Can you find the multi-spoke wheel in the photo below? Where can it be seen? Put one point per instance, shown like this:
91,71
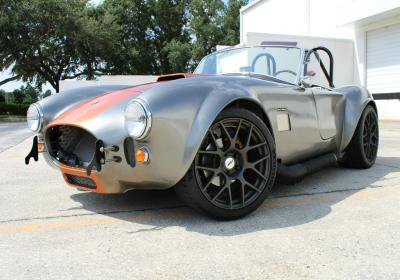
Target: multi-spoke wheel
363,148
234,168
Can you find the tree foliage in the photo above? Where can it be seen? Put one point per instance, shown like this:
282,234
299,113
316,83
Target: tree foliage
170,37
52,40
206,25
131,52
231,22
27,94
24,95
2,96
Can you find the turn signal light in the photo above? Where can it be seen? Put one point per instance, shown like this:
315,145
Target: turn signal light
40,147
142,155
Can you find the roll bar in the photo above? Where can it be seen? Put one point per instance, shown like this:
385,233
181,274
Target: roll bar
328,75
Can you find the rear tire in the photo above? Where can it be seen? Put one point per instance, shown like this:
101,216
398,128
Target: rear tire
234,169
363,148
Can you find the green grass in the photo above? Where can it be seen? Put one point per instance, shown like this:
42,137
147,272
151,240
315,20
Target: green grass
12,118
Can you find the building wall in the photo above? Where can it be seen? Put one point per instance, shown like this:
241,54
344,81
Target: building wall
325,19
360,30
321,18
345,19
259,18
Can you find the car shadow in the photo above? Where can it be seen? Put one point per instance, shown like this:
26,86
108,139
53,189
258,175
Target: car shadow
287,206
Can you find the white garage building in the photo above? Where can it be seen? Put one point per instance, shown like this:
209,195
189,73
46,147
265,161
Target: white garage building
363,35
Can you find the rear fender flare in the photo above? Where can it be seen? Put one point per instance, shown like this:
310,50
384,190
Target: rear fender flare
357,98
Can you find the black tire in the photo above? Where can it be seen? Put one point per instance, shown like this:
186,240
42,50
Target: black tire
232,166
363,148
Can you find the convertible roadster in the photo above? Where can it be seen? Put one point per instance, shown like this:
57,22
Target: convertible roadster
219,136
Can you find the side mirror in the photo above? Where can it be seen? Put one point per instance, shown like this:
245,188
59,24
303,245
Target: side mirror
306,81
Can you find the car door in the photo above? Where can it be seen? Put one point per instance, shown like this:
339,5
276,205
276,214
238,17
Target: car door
292,113
326,100
327,104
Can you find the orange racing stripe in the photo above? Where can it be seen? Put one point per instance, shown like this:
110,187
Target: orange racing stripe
94,106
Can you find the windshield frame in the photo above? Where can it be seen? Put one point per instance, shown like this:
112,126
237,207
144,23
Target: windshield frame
299,67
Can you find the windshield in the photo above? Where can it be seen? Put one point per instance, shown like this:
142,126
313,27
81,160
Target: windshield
276,61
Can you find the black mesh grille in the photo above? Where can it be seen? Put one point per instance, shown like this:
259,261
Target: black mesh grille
69,137
81,181
71,145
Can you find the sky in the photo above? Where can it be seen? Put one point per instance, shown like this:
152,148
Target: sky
96,2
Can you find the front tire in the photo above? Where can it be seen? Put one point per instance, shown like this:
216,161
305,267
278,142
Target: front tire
235,168
363,148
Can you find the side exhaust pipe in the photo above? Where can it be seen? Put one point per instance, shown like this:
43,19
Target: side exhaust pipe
292,174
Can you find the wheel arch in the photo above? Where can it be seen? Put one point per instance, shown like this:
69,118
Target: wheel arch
181,119
357,99
373,104
254,107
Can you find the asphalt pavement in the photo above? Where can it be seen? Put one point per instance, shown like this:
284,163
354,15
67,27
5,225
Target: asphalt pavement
13,133
337,224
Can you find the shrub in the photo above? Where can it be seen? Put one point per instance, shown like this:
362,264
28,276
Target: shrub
13,109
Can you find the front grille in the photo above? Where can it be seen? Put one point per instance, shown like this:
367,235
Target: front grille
72,146
81,181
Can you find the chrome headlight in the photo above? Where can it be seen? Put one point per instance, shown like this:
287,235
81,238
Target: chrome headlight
34,117
138,119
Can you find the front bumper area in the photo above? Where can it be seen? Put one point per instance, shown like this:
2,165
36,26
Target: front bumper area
81,157
72,149
77,177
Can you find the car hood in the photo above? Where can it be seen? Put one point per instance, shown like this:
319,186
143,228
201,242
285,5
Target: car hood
92,107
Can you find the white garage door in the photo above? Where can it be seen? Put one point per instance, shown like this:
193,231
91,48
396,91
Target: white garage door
383,59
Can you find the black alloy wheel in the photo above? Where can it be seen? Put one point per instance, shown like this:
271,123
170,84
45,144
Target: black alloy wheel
370,136
363,148
234,169
233,164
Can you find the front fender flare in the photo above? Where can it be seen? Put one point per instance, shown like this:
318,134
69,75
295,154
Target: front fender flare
182,112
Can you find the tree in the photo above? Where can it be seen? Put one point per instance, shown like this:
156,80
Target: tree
31,94
231,22
45,94
51,40
132,51
179,56
25,95
170,36
206,25
2,96
18,96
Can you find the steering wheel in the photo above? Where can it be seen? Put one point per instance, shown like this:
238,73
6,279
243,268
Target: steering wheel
285,71
270,60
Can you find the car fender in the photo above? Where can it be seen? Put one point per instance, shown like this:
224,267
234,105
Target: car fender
182,113
357,98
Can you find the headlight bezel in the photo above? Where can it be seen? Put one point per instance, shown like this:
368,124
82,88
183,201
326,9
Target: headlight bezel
147,114
39,113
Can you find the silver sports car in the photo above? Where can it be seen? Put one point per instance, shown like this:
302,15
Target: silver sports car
219,136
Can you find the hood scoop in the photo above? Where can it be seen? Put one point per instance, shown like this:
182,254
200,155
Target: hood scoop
172,77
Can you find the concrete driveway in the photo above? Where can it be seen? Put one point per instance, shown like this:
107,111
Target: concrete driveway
12,133
337,224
